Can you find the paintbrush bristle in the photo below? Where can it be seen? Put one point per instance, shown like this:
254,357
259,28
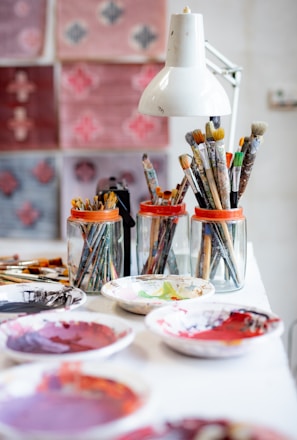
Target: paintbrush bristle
189,138
198,136
219,134
209,129
259,128
185,161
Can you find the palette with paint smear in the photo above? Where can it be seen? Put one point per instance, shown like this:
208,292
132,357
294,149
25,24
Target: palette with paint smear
71,401
213,329
22,298
63,336
143,293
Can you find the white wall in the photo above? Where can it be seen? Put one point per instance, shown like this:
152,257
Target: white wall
260,36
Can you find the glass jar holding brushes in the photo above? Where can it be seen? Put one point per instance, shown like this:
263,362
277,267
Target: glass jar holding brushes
218,233
162,228
218,227
95,244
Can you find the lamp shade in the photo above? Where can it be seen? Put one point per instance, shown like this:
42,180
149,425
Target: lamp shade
185,86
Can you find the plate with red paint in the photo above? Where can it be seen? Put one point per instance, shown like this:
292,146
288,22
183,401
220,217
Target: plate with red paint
143,293
213,329
64,336
71,400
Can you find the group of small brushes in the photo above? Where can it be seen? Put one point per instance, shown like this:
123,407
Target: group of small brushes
219,178
14,270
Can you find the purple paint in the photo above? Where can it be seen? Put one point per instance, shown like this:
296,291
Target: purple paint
62,337
57,412
69,402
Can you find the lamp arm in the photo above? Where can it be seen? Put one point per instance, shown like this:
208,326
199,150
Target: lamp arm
231,73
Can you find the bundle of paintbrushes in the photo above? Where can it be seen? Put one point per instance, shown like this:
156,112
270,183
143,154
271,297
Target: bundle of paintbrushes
14,270
218,180
94,233
163,225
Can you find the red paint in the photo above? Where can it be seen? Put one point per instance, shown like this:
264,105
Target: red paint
238,325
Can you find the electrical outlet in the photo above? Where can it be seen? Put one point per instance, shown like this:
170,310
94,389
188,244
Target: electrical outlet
283,98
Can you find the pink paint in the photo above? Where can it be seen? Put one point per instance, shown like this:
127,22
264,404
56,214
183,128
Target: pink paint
63,337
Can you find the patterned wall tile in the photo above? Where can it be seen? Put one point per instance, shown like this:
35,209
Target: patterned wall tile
99,107
29,196
107,30
22,28
28,118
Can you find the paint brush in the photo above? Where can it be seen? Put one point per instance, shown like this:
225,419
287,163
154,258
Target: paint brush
194,139
209,174
222,168
236,171
206,252
40,262
256,139
210,143
185,161
151,177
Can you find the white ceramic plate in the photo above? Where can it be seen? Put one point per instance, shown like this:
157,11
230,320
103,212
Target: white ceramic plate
204,429
22,298
71,401
213,329
143,293
50,336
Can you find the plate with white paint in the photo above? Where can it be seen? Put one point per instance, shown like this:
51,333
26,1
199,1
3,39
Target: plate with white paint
142,293
213,329
24,298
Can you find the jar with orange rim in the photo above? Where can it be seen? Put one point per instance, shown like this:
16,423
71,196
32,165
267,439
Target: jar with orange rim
95,248
162,242
218,247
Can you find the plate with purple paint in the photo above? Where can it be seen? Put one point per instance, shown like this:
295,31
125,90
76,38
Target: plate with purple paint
84,400
213,329
143,293
70,335
22,298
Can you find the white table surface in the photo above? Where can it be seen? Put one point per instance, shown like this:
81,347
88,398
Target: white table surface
257,387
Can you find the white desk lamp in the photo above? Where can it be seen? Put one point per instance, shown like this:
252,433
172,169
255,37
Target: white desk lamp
185,86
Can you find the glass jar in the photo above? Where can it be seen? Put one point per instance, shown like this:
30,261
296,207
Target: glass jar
95,248
162,239
218,247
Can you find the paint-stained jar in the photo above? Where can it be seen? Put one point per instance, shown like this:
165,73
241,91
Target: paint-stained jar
218,247
162,239
95,248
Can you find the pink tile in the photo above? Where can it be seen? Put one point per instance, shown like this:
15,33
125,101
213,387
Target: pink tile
98,107
92,29
22,28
